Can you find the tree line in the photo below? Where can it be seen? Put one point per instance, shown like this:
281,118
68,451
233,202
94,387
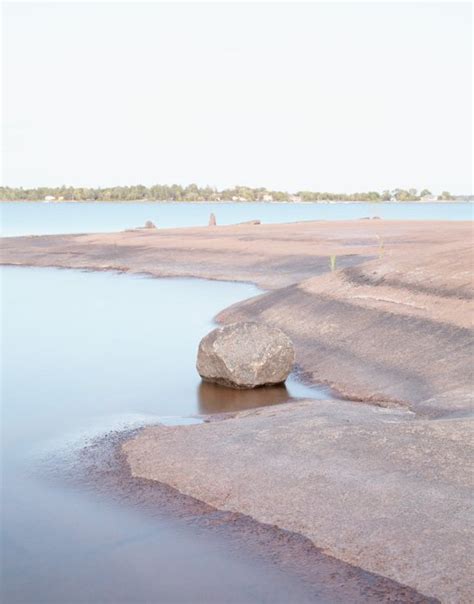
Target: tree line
194,193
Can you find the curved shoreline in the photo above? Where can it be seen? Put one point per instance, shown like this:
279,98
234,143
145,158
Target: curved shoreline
377,295
383,489
103,466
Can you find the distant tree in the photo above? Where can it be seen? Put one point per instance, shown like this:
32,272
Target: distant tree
403,195
446,196
306,195
373,196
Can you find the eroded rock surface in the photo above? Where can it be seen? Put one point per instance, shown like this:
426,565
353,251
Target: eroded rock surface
378,488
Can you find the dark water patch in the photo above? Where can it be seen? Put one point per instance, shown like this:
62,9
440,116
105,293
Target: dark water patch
214,398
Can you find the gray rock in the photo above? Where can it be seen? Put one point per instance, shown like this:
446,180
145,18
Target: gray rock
245,355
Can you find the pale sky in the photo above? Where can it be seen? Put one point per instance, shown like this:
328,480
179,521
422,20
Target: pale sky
324,96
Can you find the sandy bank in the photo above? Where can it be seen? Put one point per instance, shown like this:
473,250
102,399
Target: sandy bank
383,487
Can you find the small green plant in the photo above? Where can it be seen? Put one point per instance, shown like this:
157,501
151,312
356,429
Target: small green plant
381,246
332,262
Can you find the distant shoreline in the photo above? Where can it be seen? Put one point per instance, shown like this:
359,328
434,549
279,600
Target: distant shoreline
192,193
229,202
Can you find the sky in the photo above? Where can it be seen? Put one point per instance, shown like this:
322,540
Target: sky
314,96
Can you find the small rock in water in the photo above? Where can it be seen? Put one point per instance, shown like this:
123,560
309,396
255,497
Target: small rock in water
150,225
212,220
245,355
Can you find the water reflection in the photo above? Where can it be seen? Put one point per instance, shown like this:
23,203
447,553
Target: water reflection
213,398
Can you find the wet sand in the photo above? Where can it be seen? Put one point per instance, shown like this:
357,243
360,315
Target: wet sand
381,481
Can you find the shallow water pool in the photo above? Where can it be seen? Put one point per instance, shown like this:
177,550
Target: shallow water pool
84,354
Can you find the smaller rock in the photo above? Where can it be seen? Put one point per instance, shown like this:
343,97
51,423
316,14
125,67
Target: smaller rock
149,225
212,220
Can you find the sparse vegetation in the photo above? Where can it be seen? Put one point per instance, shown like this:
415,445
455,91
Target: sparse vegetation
381,245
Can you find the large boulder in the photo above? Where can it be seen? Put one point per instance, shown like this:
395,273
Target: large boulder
245,355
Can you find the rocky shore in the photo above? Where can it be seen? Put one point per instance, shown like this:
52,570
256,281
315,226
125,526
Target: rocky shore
379,311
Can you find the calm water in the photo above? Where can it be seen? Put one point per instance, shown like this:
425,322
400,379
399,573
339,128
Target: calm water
48,218
84,353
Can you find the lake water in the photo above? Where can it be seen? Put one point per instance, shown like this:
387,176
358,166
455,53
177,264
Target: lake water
49,218
84,353
84,349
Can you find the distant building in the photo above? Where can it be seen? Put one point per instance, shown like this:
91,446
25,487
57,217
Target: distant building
267,197
295,198
428,198
50,198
